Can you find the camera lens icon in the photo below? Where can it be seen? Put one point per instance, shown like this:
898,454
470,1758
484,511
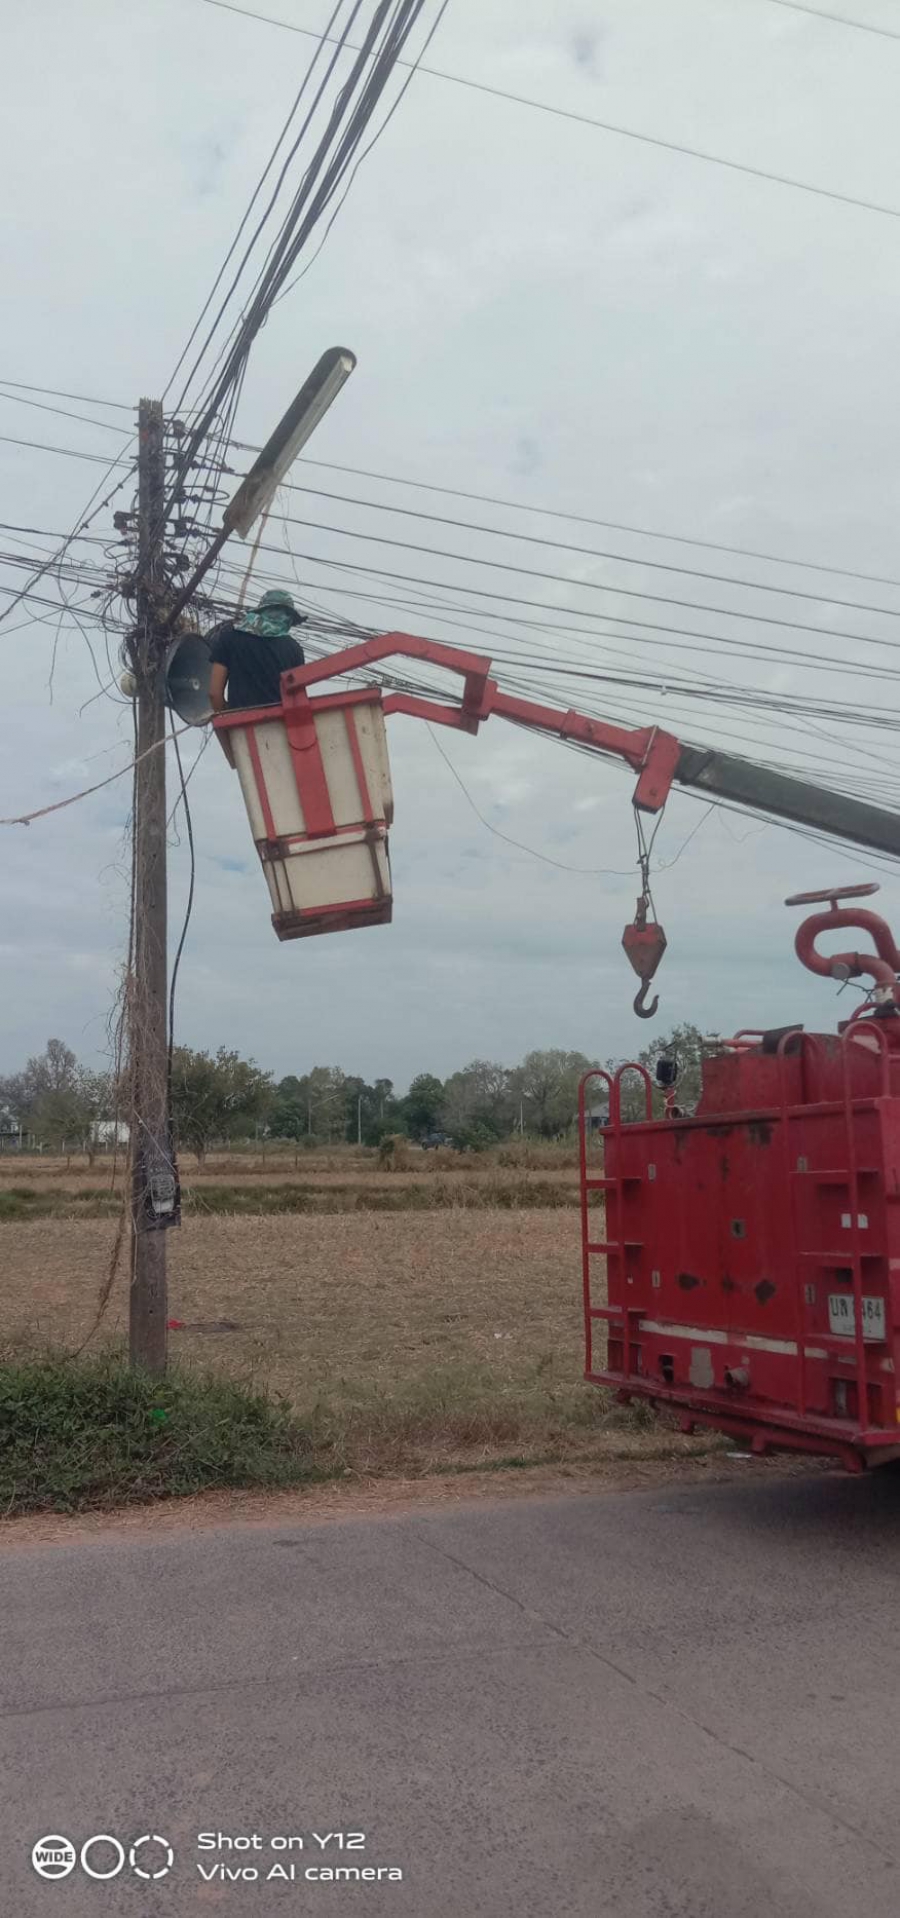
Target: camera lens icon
163,1860
53,1856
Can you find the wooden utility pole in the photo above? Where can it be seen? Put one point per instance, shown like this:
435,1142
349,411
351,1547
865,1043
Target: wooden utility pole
154,1195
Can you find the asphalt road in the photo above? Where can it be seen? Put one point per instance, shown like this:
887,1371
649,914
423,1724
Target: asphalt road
678,1703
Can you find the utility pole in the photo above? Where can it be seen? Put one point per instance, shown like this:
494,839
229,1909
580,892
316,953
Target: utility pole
155,1195
154,1190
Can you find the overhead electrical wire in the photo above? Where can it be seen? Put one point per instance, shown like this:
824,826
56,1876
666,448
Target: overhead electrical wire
70,452
106,426
795,713
247,212
414,66
598,586
612,707
836,19
581,519
510,505
707,643
189,904
606,126
738,647
674,680
58,393
589,552
385,36
593,872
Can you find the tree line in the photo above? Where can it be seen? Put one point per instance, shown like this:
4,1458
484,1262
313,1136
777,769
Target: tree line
220,1097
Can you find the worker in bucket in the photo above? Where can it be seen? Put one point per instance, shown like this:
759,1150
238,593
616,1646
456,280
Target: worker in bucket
250,653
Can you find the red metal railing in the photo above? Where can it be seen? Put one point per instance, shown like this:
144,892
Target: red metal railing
607,1247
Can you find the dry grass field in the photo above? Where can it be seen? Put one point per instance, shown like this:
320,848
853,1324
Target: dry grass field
411,1340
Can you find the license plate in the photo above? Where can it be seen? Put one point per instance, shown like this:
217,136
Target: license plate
842,1316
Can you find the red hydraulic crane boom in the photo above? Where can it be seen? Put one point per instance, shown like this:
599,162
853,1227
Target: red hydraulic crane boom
659,759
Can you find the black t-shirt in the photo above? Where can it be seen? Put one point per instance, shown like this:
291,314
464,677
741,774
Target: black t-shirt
254,663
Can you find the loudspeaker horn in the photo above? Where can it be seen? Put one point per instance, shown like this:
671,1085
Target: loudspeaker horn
188,671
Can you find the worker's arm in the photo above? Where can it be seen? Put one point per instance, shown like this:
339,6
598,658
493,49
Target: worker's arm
218,680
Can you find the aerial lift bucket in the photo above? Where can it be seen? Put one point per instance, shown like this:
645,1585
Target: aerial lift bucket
316,783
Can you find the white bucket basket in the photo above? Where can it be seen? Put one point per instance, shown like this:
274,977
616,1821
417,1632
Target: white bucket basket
317,787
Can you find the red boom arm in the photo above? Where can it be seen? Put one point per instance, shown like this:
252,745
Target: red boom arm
653,754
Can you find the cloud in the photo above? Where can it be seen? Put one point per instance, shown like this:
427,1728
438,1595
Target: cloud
584,44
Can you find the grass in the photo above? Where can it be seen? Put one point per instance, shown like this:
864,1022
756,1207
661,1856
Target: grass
87,1434
279,1158
20,1203
404,1341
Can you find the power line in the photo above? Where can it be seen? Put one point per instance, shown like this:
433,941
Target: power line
253,198
355,103
591,552
40,812
516,506
189,905
604,126
706,642
89,513
414,67
583,519
63,413
70,452
553,696
594,872
57,393
596,586
724,691
837,19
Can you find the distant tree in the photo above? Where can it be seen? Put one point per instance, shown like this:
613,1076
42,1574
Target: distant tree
478,1099
216,1098
326,1102
684,1043
547,1085
420,1109
313,1106
289,1116
369,1111
56,1098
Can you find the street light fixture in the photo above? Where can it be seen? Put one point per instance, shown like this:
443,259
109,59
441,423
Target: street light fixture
258,488
281,449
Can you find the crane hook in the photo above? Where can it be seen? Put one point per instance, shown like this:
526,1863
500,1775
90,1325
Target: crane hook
645,1012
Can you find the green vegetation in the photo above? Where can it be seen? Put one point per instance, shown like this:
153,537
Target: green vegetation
219,1098
20,1203
76,1435
87,1434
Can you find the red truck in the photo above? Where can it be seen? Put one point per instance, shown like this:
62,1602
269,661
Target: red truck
742,1263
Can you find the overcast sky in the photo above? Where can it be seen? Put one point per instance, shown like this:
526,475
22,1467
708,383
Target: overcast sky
543,312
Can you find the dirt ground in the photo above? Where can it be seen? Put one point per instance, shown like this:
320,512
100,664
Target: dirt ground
540,1165
342,1304
378,1497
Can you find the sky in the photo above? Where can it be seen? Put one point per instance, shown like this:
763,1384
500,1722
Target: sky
544,313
